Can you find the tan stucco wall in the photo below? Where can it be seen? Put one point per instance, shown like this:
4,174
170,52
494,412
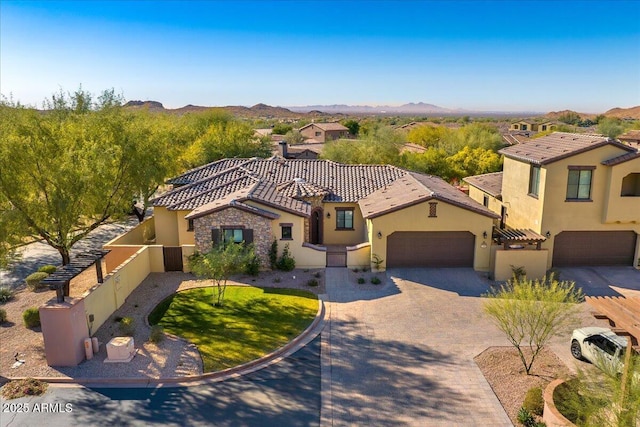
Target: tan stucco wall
534,262
416,218
185,237
523,211
618,208
166,223
332,236
359,255
138,235
476,194
64,329
308,256
117,255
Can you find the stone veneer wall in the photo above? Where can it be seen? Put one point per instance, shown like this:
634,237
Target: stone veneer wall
262,235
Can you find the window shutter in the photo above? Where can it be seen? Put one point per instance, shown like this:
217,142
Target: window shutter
215,237
247,235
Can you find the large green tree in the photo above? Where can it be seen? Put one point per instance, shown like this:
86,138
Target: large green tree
78,164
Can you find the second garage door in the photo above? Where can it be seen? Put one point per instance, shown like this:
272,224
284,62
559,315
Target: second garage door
576,248
430,249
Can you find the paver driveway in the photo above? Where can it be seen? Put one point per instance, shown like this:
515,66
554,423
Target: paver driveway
402,354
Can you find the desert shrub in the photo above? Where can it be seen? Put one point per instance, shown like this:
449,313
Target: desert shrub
34,280
312,282
286,262
273,254
3,315
533,401
6,294
525,418
361,280
252,267
24,387
375,280
31,317
157,334
127,326
49,269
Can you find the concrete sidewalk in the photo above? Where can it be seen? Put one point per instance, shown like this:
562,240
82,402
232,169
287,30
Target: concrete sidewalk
402,355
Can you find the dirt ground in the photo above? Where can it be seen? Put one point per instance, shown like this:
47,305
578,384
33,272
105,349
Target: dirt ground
506,375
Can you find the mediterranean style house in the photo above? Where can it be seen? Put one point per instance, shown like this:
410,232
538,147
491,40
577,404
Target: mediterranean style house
330,214
323,132
529,125
582,192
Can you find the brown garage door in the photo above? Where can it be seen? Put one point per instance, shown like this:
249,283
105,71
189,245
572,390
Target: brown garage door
594,248
430,249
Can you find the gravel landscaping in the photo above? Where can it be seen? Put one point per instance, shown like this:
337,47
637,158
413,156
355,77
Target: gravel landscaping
170,358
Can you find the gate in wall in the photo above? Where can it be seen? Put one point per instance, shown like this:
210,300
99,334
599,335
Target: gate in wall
172,258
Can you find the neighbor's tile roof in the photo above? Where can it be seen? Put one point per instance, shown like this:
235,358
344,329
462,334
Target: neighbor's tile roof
327,126
281,183
557,146
621,159
490,183
632,135
414,188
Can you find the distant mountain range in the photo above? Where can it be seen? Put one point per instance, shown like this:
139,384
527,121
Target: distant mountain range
410,109
406,109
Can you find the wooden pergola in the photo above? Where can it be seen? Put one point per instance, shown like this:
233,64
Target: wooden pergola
623,314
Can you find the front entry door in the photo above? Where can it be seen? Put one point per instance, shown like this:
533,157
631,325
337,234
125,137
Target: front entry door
316,226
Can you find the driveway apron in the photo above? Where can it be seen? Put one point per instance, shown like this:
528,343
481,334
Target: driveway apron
402,353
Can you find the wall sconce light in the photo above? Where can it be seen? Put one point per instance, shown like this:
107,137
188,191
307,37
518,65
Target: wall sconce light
328,214
548,234
484,235
379,235
484,245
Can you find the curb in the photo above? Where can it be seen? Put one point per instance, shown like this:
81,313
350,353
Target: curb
312,331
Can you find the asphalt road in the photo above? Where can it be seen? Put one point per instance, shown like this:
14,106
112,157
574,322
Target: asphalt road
284,394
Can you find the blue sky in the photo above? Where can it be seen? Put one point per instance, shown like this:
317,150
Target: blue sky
477,55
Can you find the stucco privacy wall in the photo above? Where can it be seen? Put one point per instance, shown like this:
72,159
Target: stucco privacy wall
64,329
359,255
117,255
166,226
141,234
416,218
236,218
533,261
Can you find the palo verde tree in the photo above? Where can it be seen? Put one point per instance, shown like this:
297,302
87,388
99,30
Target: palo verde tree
220,263
67,170
531,312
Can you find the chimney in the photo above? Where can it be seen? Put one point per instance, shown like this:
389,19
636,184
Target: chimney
283,149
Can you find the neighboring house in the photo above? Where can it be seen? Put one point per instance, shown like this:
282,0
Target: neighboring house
329,213
299,151
530,125
580,191
324,132
631,138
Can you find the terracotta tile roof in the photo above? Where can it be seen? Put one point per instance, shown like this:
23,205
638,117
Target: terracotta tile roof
490,183
234,200
327,126
299,188
631,136
557,146
206,171
621,159
280,183
414,188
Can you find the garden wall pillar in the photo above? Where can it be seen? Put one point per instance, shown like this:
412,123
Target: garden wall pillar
64,328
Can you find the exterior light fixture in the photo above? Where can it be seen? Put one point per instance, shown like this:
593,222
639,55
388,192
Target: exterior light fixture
379,235
484,245
328,214
484,234
548,234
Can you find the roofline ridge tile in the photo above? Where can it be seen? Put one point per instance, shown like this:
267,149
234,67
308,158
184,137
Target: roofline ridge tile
209,190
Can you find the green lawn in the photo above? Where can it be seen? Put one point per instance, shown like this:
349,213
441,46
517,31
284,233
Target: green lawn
252,322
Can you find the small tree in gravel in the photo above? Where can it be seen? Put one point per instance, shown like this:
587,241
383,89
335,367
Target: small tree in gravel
531,312
219,264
